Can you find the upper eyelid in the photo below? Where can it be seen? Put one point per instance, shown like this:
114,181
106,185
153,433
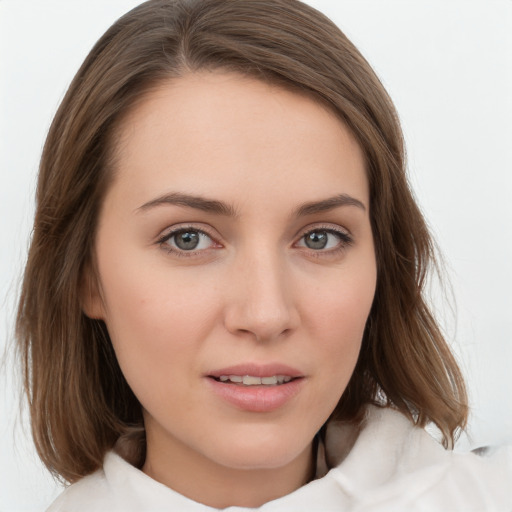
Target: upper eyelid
322,226
174,230
343,235
163,241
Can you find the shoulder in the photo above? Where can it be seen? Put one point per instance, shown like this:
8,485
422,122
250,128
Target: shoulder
89,493
98,491
119,487
396,463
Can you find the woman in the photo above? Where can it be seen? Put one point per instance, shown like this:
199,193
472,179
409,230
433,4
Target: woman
233,303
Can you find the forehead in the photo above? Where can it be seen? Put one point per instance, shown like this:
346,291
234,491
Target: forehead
236,136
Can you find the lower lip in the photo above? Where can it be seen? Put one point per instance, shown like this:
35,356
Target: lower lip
257,398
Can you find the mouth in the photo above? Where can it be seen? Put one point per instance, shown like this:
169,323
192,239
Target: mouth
253,380
257,388
256,374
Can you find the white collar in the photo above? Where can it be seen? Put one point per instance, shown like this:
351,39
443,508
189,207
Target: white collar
379,443
392,465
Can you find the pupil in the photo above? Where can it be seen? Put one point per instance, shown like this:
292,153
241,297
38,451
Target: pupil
187,241
316,240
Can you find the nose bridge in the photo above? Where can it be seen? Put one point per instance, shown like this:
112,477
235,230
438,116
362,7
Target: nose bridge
262,302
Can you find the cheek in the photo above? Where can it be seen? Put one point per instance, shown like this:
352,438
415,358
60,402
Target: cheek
155,319
339,312
138,289
335,328
340,307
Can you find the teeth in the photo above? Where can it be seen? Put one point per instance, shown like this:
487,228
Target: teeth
250,380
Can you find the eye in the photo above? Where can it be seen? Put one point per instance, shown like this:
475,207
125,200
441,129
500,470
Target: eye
186,240
325,240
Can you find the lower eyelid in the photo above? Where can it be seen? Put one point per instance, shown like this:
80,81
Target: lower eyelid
166,242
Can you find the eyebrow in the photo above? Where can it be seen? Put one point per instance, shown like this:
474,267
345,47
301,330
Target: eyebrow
191,201
328,204
221,208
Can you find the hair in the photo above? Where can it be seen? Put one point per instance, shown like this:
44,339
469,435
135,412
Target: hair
79,401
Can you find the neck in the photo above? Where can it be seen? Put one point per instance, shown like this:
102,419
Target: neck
203,480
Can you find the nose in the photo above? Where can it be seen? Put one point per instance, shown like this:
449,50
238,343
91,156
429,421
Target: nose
261,301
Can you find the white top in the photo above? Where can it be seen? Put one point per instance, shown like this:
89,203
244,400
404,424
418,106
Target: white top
392,466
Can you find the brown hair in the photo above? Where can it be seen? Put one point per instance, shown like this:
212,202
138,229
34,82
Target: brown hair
79,400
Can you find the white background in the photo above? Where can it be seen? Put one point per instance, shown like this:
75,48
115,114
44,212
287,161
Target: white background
447,65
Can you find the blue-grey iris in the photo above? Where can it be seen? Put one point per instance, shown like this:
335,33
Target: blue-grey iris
187,240
316,240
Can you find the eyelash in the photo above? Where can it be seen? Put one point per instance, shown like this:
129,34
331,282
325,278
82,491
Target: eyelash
162,241
345,241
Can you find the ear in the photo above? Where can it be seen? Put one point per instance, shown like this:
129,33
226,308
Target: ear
91,300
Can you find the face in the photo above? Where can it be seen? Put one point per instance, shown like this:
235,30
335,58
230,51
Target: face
236,268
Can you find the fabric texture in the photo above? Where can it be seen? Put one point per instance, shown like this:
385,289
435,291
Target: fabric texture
391,466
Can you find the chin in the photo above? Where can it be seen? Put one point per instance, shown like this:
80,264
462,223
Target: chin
259,452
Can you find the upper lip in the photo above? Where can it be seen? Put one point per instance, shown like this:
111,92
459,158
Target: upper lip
257,370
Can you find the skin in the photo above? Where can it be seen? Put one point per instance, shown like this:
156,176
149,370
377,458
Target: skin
253,291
